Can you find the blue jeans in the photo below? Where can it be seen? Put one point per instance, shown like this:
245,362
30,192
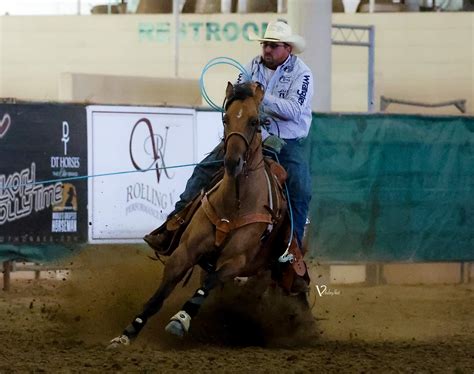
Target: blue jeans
201,177
292,158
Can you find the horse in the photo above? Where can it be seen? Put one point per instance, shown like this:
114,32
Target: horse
230,222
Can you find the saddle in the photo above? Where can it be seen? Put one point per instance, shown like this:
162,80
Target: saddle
274,239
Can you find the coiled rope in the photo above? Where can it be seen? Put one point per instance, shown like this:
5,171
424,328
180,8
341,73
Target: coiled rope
220,61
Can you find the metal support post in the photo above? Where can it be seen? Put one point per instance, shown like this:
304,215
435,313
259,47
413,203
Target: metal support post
370,90
7,267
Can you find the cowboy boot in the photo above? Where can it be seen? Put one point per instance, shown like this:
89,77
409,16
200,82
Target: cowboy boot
301,280
160,241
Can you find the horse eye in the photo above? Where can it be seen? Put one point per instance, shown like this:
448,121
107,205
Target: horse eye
254,122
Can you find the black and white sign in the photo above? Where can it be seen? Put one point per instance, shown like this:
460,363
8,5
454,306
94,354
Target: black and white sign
41,145
140,160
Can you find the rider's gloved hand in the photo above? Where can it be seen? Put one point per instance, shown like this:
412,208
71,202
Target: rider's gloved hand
274,143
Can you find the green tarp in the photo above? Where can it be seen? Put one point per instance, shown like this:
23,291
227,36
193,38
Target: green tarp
39,253
392,188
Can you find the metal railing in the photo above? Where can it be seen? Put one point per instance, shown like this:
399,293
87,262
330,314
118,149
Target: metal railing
359,36
386,101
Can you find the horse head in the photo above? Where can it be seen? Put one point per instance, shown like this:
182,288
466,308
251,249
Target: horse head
242,133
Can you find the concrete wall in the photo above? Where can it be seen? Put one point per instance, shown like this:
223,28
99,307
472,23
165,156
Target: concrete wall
120,89
395,273
435,273
419,56
333,275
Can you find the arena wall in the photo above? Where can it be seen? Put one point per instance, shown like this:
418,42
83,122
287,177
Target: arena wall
374,230
419,56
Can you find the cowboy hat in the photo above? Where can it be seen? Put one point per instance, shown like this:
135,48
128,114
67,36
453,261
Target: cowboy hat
280,31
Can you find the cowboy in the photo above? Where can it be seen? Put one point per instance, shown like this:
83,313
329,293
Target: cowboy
286,107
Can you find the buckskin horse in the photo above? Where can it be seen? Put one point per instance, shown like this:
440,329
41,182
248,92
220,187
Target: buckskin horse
226,230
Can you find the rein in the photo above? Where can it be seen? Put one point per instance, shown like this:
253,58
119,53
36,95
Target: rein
247,157
248,154
237,133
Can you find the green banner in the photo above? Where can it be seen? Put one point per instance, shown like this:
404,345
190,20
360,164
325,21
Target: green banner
392,188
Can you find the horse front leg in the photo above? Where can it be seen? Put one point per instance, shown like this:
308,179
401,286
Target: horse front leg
179,324
175,269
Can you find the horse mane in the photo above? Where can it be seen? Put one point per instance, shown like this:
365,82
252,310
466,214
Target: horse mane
240,91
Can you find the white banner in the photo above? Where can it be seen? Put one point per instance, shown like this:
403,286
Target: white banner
125,201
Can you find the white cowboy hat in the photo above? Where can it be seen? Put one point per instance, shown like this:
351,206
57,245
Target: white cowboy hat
280,31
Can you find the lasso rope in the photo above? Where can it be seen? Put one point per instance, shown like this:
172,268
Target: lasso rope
211,63
220,61
286,256
6,187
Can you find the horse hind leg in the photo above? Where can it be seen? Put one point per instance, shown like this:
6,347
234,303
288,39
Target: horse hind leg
175,269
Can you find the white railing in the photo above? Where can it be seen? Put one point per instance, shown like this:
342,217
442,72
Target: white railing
60,7
86,7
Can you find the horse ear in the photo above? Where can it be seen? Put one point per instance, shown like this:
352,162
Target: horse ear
259,93
229,90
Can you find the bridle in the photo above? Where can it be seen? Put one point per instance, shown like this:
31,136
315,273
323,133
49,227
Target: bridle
247,153
238,133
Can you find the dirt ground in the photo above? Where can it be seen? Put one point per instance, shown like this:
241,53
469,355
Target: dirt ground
65,325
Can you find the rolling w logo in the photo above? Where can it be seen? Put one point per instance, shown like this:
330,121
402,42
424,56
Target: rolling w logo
154,145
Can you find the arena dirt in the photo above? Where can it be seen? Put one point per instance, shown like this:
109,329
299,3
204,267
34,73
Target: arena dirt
65,325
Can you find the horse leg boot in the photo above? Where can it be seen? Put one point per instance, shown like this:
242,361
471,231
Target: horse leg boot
133,329
174,272
180,322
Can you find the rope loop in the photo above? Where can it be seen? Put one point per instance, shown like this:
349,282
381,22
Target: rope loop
220,61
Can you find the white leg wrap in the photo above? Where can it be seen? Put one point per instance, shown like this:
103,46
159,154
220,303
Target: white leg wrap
119,341
184,318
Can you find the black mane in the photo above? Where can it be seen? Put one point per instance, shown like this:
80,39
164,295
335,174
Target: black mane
240,92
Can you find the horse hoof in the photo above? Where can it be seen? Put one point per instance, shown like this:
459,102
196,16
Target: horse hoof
179,324
175,328
119,342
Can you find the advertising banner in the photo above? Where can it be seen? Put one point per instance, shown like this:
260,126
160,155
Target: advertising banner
41,146
140,161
